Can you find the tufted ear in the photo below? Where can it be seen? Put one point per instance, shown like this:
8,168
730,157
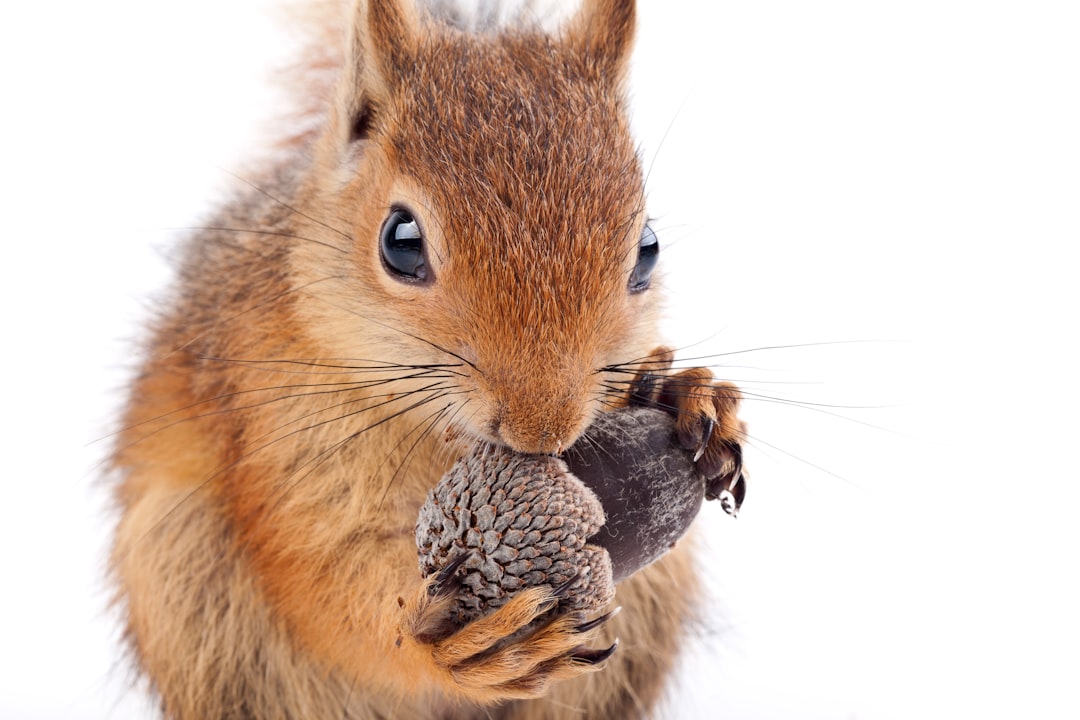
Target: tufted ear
382,41
603,32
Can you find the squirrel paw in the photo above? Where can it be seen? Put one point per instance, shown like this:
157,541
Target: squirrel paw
707,422
516,652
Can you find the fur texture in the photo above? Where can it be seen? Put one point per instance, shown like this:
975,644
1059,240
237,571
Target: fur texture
298,399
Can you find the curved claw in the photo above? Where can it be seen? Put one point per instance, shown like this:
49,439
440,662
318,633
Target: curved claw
586,656
728,503
729,488
593,624
706,434
561,592
707,425
643,390
445,584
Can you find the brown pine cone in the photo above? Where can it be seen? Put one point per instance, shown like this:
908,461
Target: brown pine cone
521,520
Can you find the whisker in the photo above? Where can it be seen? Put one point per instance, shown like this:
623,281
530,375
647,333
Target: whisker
758,441
616,367
726,378
252,231
290,482
289,207
390,398
398,444
438,347
377,366
689,390
220,470
624,226
806,405
663,139
809,404
339,387
431,420
245,311
459,407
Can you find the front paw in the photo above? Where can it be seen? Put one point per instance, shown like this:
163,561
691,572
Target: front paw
706,421
515,652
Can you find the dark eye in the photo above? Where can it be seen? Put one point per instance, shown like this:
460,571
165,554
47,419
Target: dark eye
648,254
401,245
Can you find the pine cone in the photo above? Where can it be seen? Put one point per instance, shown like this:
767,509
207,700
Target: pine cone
522,520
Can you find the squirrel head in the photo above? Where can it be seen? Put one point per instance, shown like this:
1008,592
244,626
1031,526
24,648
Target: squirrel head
495,203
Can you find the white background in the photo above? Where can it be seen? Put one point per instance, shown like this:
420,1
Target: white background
905,175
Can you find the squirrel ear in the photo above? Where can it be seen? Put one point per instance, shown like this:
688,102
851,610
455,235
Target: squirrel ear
603,31
383,37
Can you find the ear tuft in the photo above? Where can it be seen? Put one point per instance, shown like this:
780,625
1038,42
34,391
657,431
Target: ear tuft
603,31
383,36
392,33
361,122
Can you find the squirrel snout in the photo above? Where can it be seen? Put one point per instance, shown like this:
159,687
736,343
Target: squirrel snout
527,426
542,444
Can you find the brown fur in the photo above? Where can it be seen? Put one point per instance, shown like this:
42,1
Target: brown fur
265,556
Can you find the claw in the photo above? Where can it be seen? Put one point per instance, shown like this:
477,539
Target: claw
560,592
727,502
643,389
445,583
593,624
730,488
585,656
710,424
737,490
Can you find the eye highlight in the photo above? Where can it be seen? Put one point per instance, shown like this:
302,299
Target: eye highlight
401,246
648,254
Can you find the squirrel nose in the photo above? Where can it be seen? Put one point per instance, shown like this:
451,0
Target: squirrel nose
545,444
546,431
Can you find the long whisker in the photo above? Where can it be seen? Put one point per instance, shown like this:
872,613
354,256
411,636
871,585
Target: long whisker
704,390
663,139
389,399
376,366
758,441
431,421
726,378
615,367
362,386
338,387
814,407
438,347
292,480
226,467
251,231
245,311
289,207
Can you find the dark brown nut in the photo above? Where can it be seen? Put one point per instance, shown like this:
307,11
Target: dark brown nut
649,486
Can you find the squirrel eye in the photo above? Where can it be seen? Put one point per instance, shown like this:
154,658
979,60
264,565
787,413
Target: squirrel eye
401,245
648,254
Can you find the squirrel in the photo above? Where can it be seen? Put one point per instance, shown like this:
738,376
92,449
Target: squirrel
458,250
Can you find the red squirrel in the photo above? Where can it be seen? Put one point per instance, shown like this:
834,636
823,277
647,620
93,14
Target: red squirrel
458,250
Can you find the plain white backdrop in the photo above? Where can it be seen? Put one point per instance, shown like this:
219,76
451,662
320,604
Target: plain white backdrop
897,184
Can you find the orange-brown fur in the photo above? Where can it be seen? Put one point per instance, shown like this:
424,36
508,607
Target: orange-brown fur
265,556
